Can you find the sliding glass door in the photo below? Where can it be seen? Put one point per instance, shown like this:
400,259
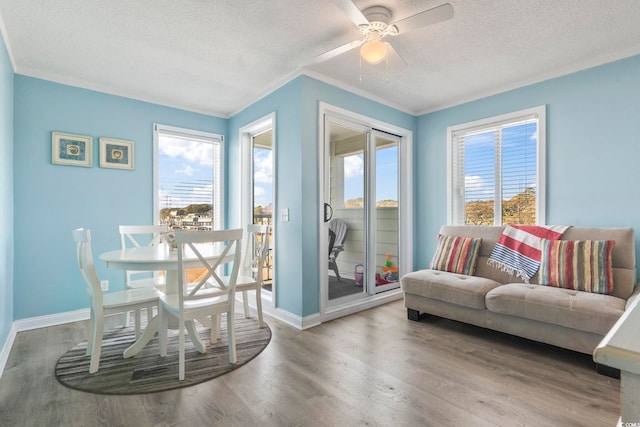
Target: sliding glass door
345,211
361,202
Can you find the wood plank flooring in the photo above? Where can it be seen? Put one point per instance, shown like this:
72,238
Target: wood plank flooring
374,368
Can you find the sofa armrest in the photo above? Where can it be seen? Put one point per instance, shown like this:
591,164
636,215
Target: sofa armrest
634,295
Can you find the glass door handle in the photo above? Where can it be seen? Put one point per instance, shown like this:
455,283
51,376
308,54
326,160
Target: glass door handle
328,210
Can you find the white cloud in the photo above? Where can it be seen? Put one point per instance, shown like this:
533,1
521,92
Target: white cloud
473,181
187,170
258,192
188,150
353,166
480,188
263,168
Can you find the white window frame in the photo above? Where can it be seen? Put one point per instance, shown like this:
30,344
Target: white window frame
246,135
219,192
454,193
336,114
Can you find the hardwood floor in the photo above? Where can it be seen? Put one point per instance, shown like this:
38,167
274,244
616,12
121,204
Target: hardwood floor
374,368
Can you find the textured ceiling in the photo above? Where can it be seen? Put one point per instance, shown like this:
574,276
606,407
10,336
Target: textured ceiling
217,57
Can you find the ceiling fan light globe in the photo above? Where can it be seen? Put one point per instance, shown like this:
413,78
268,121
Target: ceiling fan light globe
373,51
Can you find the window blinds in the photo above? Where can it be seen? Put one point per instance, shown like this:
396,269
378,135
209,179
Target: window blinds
190,173
494,172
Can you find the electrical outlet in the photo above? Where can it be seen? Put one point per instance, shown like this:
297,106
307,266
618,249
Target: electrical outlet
104,284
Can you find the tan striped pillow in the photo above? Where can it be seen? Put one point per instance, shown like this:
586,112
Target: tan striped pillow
456,254
582,265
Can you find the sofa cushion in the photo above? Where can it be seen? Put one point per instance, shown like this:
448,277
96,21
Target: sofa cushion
583,265
583,311
456,254
459,289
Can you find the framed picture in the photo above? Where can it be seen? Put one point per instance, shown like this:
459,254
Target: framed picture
71,150
116,153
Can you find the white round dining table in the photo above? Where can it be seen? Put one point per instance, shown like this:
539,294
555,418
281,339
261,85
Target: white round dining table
160,258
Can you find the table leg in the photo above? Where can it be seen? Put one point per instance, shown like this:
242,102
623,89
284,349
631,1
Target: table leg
146,336
171,283
195,336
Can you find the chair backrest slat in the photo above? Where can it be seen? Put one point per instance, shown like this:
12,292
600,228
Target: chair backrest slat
256,248
128,235
339,227
210,284
84,256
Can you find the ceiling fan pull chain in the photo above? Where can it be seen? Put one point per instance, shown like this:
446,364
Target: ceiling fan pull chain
386,68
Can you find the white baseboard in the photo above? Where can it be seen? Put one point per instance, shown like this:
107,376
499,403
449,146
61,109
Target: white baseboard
51,320
284,316
296,321
37,323
315,319
355,306
6,348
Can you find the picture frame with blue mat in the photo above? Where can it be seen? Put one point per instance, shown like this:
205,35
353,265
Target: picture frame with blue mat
116,154
71,150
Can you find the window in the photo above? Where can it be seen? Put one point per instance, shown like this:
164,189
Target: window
188,178
496,170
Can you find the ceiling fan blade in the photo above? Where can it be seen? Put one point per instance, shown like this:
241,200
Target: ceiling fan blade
337,51
423,19
396,62
352,11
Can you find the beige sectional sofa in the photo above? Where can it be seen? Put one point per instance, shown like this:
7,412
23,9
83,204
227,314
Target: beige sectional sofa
493,299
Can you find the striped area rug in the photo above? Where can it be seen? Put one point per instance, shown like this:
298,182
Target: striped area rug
147,372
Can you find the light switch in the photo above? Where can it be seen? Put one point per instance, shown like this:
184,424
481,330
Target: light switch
284,214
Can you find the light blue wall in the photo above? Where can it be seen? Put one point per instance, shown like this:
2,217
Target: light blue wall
286,103
6,194
297,187
593,147
51,200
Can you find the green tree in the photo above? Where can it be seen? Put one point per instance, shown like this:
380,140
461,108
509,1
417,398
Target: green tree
520,209
479,212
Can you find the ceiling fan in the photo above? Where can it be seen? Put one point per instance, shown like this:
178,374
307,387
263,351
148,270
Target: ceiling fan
375,24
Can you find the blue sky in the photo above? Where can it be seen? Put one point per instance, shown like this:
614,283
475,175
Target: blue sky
185,172
519,147
262,176
386,175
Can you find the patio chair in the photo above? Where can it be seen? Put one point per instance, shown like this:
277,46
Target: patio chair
339,228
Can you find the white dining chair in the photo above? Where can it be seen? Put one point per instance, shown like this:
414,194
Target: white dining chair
131,236
209,297
251,277
101,305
